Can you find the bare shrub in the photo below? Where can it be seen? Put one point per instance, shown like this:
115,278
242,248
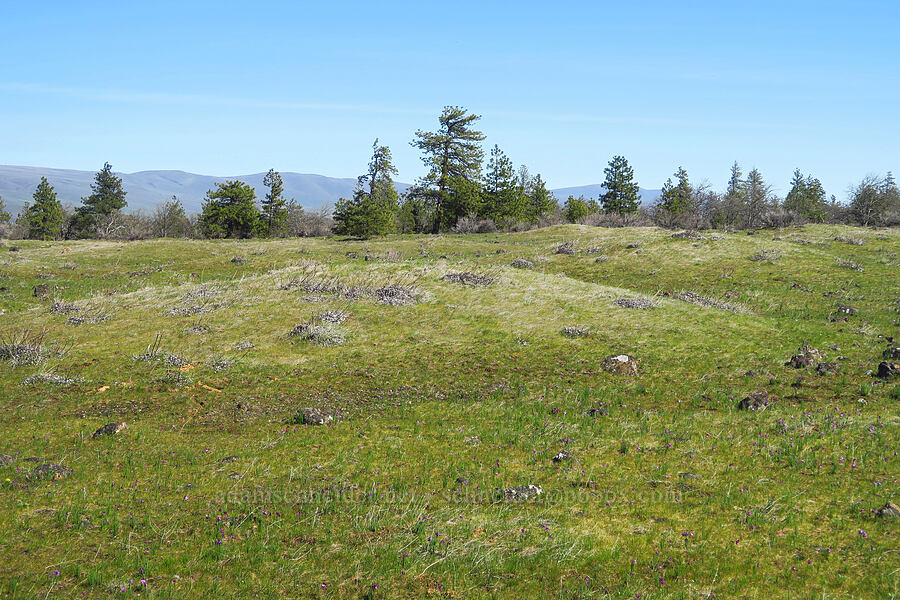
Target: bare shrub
694,298
323,334
471,279
472,224
23,348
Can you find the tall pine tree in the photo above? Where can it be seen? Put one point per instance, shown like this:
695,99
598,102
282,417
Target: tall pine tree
45,217
501,199
274,205
230,211
107,196
677,198
453,155
807,197
622,193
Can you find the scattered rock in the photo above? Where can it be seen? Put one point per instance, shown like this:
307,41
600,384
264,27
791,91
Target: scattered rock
596,411
892,352
845,309
765,255
888,511
50,471
888,370
245,345
326,334
228,459
467,278
462,480
850,240
14,248
601,259
706,301
806,356
757,400
395,295
314,416
522,492
238,260
827,368
573,332
50,379
333,316
621,364
566,248
561,456
687,235
848,264
521,263
690,476
473,441
637,303
110,429
6,459
42,290
633,245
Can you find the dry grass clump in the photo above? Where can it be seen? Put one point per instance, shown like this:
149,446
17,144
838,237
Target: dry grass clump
708,302
687,235
521,263
51,379
637,303
395,295
64,308
850,240
765,255
23,348
848,264
471,279
187,311
323,334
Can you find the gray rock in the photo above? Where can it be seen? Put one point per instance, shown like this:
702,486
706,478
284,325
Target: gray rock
41,290
6,459
561,456
892,352
888,370
757,400
314,416
888,511
521,263
522,492
621,364
110,429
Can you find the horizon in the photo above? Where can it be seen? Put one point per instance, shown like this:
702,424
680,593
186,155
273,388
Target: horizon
208,88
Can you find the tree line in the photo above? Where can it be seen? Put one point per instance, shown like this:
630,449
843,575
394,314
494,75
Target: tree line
458,193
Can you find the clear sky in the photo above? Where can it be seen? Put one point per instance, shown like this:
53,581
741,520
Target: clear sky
228,88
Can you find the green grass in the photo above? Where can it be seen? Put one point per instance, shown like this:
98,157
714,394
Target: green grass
671,492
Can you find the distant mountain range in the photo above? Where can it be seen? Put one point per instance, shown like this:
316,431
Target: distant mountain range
148,188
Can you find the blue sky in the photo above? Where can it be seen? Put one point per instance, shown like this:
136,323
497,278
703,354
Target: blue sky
226,88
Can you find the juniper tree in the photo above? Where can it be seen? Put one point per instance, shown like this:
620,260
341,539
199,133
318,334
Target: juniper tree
274,205
229,211
540,200
621,194
453,155
45,217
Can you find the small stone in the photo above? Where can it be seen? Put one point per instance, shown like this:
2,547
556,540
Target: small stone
521,263
473,441
827,368
757,400
110,429
892,352
806,356
561,456
315,416
887,370
462,480
41,290
50,471
238,260
14,248
522,492
228,459
690,476
846,310
621,364
6,459
888,511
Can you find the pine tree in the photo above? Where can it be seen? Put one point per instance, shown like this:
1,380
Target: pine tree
107,196
575,209
45,216
807,197
453,155
540,200
274,206
501,197
229,211
676,199
373,208
621,194
4,216
757,198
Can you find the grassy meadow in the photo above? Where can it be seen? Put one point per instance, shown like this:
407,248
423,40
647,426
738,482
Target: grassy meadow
445,392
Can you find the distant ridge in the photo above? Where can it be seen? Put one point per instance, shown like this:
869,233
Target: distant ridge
148,188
